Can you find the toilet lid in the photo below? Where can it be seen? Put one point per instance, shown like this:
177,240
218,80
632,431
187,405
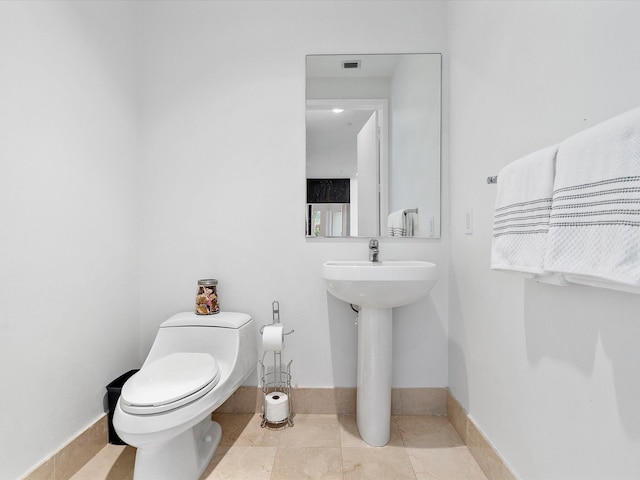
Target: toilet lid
170,381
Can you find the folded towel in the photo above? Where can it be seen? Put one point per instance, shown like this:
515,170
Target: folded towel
411,220
521,220
395,224
401,224
594,229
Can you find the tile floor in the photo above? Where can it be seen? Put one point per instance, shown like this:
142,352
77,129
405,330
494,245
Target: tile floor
317,447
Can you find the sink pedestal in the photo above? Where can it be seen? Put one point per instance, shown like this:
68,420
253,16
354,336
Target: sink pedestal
374,375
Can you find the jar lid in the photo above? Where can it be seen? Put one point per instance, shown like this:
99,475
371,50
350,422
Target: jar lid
208,281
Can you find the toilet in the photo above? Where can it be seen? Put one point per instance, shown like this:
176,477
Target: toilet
195,364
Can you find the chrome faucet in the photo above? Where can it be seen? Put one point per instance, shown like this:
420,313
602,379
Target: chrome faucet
373,250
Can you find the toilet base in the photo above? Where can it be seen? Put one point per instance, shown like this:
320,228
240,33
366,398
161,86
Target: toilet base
185,457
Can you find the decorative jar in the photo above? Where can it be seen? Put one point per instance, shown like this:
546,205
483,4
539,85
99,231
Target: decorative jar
207,297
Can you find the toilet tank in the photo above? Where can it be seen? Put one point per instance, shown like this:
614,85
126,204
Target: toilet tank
225,335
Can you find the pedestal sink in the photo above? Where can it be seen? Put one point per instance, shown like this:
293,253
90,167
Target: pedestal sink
377,287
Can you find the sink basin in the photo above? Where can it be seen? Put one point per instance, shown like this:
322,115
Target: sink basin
386,284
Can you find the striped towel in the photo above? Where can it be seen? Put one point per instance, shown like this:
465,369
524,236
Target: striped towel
401,224
521,220
594,229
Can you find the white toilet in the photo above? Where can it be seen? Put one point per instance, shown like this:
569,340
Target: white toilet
195,364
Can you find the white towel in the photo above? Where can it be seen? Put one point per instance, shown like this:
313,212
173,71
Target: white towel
594,230
401,224
395,224
521,220
411,220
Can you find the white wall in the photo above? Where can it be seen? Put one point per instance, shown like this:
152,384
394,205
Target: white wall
68,247
549,374
223,175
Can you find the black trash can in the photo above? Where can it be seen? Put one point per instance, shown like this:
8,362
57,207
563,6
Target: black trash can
113,394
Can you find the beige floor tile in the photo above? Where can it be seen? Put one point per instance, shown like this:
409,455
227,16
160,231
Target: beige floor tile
418,401
323,446
81,450
452,463
45,471
487,457
376,463
247,400
307,463
457,416
350,437
314,400
245,429
241,463
427,432
113,462
311,431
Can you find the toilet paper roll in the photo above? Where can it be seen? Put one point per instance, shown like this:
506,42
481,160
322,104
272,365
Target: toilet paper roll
276,407
273,338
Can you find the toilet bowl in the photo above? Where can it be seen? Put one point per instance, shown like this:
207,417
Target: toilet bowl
195,364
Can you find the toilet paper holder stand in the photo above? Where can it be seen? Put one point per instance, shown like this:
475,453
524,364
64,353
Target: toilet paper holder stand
276,380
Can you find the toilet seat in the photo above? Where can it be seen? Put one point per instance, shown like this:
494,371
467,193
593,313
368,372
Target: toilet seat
169,383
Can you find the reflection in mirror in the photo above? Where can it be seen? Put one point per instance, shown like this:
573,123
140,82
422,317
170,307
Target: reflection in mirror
373,123
328,207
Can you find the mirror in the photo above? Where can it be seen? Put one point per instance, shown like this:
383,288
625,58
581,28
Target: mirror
373,127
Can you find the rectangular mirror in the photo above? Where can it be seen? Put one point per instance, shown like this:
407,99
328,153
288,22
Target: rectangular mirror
373,125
